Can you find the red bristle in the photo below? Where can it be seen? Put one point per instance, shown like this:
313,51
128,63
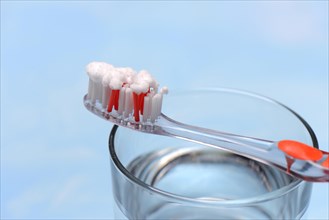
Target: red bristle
141,102
116,99
136,106
111,102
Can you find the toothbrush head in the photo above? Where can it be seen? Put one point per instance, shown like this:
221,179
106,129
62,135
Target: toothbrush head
123,96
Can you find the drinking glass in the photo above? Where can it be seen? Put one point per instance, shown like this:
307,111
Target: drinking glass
159,177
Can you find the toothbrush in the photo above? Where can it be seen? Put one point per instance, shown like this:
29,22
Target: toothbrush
130,99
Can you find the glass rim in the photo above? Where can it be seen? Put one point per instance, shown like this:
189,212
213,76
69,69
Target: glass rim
236,202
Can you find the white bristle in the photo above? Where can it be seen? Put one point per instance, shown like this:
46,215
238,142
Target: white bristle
96,72
90,88
107,79
160,104
105,96
99,91
147,108
151,94
155,107
155,88
128,103
95,93
122,96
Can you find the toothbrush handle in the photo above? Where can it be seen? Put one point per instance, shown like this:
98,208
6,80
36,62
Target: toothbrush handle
257,149
261,150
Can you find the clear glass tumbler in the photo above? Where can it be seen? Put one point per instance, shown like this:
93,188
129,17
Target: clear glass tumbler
158,177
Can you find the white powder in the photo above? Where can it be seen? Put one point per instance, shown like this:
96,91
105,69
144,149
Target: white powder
108,75
97,70
127,71
116,83
142,82
164,90
139,88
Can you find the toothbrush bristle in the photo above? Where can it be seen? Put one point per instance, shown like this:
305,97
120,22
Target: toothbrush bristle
122,98
122,91
136,107
111,102
141,103
116,99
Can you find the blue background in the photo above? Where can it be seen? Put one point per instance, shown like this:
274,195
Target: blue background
54,156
